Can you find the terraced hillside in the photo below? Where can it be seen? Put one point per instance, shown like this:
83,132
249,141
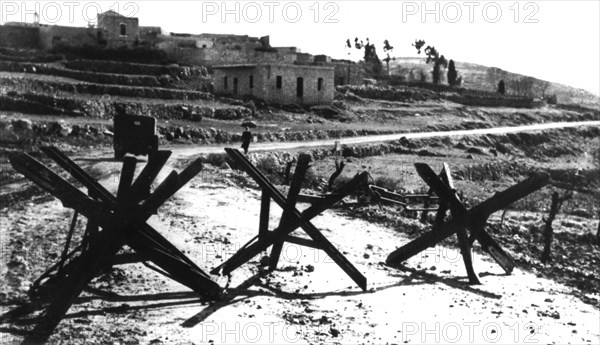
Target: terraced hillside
41,89
479,77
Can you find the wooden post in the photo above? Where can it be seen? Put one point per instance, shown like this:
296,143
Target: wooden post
339,167
557,202
265,205
598,232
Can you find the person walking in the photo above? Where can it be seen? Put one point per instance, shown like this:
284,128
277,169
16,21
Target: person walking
246,138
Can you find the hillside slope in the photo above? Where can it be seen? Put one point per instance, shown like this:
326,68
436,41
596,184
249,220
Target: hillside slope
481,77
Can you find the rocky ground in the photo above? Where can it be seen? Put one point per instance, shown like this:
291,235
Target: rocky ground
308,299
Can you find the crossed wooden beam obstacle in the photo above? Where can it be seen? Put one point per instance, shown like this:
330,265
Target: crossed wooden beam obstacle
291,220
463,219
112,223
116,221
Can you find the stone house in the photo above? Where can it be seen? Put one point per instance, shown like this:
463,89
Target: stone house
116,30
275,82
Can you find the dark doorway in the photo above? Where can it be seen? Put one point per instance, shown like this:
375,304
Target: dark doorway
235,86
300,87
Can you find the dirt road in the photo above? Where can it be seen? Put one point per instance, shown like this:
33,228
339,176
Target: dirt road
188,151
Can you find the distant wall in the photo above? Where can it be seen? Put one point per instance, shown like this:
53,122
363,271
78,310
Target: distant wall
53,35
219,54
348,73
508,102
117,67
149,34
19,36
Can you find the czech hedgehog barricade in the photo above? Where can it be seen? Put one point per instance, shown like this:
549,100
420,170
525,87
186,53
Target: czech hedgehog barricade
291,220
473,219
122,220
116,221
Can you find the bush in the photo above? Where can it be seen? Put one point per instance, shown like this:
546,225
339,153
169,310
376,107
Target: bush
389,183
217,159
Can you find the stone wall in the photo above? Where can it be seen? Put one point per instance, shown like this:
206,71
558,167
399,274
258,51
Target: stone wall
221,54
109,26
265,83
45,104
508,102
19,36
93,77
290,74
26,84
348,73
54,35
120,67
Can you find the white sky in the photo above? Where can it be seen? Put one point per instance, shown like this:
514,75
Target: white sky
552,40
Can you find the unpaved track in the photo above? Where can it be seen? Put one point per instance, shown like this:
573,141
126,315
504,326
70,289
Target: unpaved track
188,151
210,219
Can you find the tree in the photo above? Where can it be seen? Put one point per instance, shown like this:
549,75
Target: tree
494,75
373,64
452,74
387,48
501,87
432,56
438,62
418,45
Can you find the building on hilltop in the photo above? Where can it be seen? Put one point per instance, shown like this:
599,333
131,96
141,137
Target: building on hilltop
116,30
276,82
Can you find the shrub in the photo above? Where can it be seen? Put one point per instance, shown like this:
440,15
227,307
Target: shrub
216,159
389,183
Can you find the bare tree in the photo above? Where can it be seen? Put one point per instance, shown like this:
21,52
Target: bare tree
387,48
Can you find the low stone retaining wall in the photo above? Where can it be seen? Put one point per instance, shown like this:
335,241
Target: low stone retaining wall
29,84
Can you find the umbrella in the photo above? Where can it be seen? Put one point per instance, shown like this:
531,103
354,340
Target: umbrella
250,124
